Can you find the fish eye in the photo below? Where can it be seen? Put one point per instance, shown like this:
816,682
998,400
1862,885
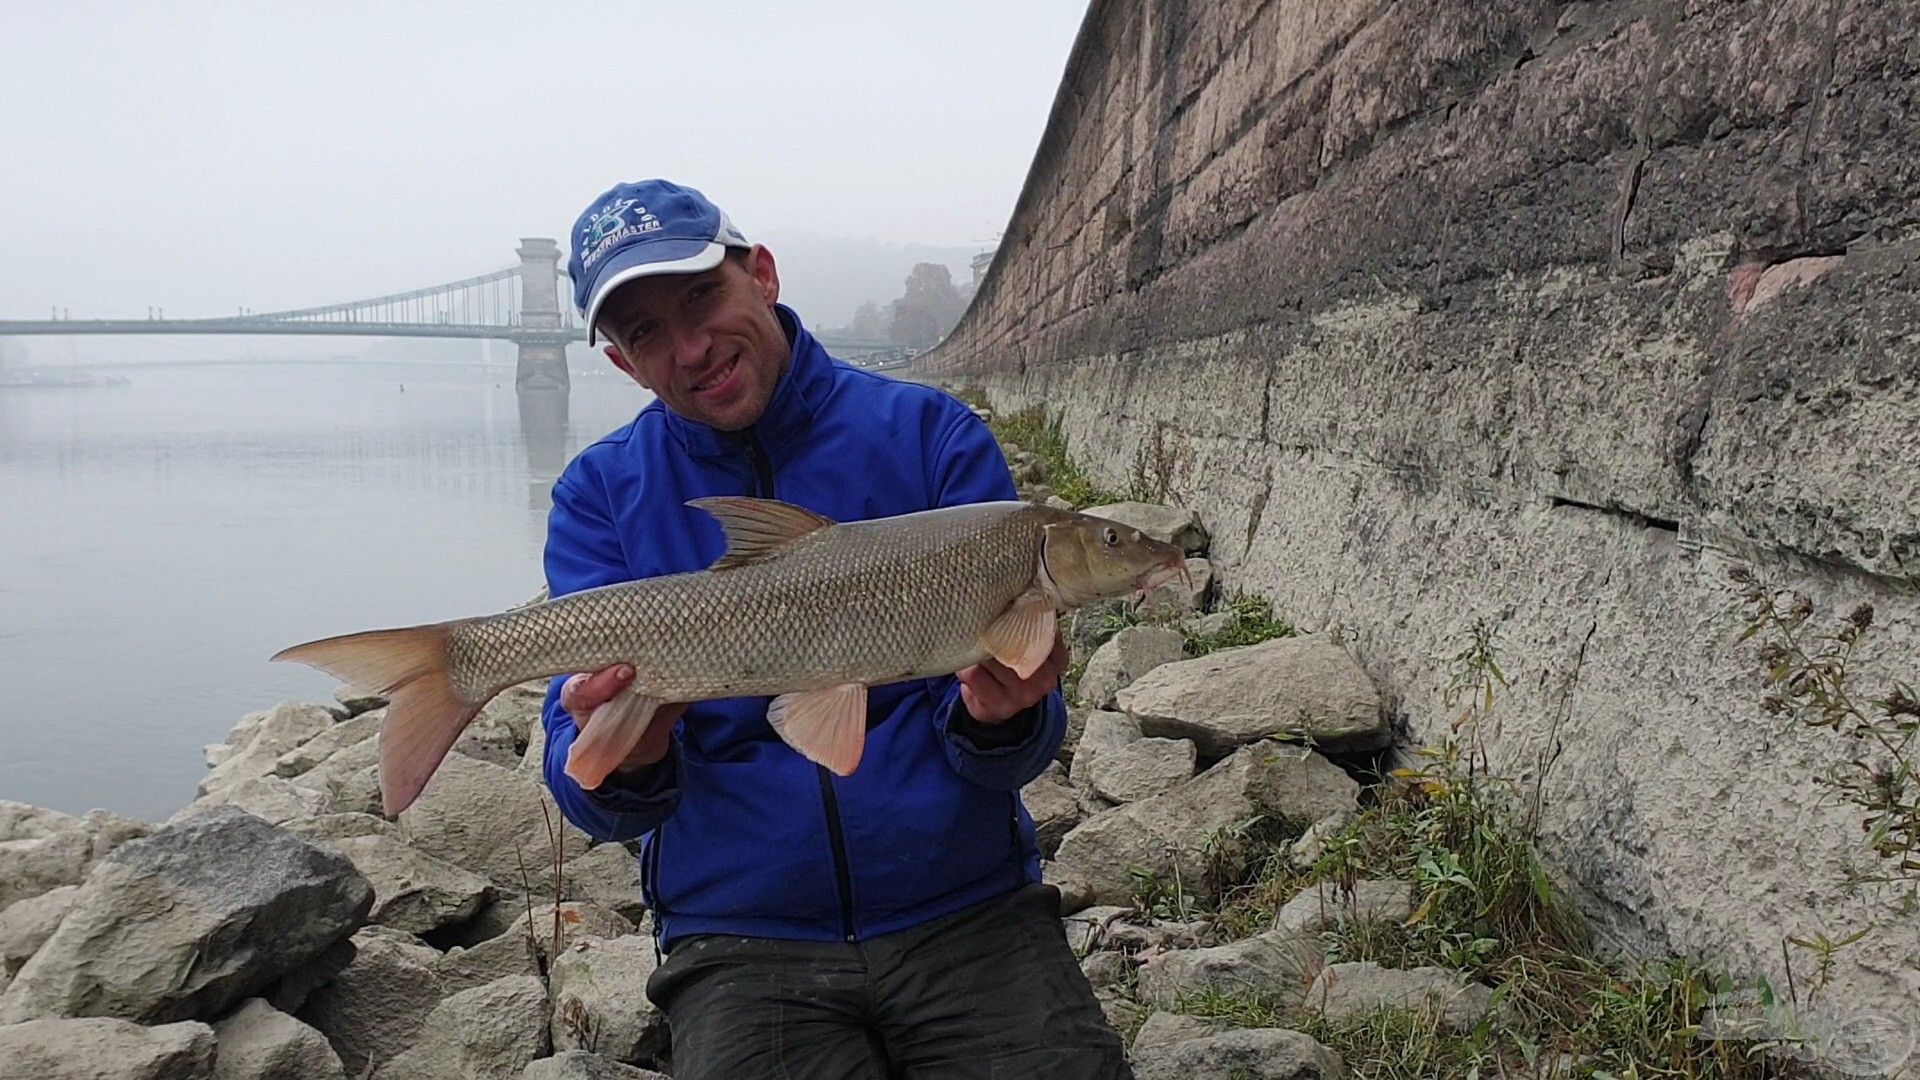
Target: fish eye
1109,537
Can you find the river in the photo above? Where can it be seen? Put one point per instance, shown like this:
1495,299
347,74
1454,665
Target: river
160,539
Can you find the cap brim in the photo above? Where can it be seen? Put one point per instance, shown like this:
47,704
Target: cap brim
647,260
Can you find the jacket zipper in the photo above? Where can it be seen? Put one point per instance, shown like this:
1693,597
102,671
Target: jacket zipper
836,834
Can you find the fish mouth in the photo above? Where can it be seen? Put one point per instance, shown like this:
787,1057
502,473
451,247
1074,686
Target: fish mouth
1175,567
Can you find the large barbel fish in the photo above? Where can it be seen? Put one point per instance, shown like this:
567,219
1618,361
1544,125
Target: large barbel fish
799,607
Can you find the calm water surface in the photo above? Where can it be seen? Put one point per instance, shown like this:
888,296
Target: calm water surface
159,540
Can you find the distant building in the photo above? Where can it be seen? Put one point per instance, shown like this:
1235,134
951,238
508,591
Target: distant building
980,264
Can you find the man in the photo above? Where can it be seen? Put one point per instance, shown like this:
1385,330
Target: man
887,923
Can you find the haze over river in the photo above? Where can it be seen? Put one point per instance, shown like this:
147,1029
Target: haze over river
160,539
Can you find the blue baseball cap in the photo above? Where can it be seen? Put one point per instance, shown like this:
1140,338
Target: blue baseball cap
640,229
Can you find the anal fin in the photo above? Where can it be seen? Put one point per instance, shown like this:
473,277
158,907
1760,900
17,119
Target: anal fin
1022,637
827,726
611,733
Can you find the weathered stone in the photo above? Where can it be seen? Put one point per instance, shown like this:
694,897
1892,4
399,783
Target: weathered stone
1276,966
27,925
1326,905
1165,835
1123,1013
412,891
1104,731
272,799
356,793
1142,769
1306,851
580,1065
488,1033
1181,528
533,761
1125,657
1301,687
323,745
354,701
1053,806
608,875
1076,727
1249,1054
600,1001
1076,892
258,744
489,740
1344,991
190,920
489,820
42,850
258,1041
1167,1028
1210,624
1105,968
99,1048
488,962
341,826
375,1006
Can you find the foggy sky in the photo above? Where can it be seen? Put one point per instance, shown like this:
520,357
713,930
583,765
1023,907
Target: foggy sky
200,157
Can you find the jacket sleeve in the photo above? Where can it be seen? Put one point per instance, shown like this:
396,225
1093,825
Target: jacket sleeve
583,552
969,468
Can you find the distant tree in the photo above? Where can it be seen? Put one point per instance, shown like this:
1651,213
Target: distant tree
929,307
869,322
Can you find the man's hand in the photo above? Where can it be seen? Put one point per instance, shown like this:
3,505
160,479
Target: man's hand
585,693
994,694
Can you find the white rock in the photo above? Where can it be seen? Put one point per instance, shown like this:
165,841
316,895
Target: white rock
27,925
1125,657
1173,599
1142,769
190,920
488,1033
489,820
1325,905
354,701
600,1001
258,1041
1305,687
99,1048
1104,731
1248,1054
607,875
374,1008
1307,850
1167,1028
1277,965
580,1065
1105,968
1344,991
413,891
273,799
257,745
42,850
1165,835
325,744
1052,805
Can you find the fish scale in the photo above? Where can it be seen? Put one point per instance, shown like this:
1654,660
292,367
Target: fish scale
865,602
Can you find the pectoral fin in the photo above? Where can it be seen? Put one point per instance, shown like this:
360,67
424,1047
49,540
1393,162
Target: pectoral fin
1022,636
758,528
827,726
611,733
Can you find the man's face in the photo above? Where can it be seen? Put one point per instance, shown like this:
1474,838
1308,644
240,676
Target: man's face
708,345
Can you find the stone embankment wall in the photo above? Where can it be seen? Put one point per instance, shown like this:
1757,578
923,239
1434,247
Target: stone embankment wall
1547,314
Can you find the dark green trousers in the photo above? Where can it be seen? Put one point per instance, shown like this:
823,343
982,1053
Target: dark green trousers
992,991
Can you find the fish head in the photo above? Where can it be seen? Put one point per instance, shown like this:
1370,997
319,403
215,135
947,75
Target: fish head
1085,559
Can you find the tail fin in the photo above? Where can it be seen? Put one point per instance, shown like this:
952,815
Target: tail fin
425,715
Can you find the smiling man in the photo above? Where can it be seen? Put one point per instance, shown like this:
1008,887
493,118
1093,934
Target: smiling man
890,923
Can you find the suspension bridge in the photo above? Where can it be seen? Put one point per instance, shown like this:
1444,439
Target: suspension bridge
518,304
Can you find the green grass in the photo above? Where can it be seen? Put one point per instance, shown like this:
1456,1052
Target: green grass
1253,622
1034,431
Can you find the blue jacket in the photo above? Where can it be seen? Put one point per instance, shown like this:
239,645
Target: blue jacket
742,835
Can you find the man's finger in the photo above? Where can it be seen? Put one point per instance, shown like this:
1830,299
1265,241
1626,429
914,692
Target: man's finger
586,692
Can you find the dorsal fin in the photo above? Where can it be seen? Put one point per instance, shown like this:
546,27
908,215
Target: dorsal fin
758,528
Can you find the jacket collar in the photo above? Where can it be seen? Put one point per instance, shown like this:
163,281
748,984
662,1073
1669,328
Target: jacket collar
801,392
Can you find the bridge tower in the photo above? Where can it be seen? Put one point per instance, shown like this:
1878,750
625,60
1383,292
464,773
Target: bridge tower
543,363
